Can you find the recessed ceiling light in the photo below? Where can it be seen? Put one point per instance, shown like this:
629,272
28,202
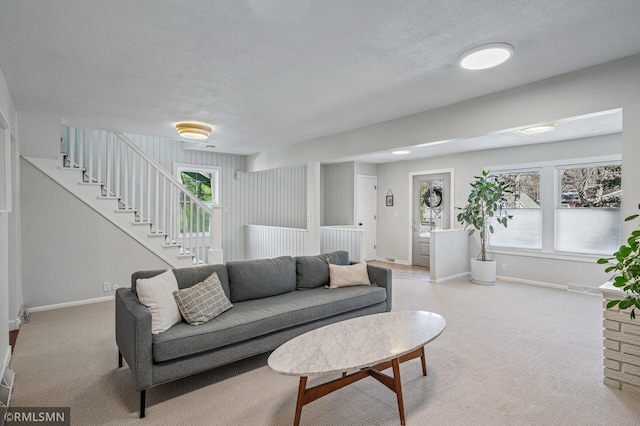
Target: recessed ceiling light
193,130
538,129
486,56
400,152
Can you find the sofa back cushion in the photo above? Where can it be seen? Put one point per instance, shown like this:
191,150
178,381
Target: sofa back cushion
313,271
189,276
255,279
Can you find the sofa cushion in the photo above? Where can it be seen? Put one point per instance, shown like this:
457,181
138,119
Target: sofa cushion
259,317
202,302
188,276
156,293
313,271
348,275
255,279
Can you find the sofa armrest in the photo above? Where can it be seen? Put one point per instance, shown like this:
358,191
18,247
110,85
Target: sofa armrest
381,276
133,336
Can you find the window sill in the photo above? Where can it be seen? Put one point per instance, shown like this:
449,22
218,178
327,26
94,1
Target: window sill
570,257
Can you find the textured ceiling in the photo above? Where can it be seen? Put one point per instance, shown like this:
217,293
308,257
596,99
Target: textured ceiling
269,73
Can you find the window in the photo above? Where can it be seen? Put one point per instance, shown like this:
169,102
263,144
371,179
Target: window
570,207
523,203
588,208
203,182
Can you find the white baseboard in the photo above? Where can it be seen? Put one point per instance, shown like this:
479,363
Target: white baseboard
15,324
392,260
450,277
68,304
531,282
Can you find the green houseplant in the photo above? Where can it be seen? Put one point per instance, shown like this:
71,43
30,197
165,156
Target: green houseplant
626,264
486,201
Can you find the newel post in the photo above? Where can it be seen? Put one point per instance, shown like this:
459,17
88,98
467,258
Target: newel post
215,245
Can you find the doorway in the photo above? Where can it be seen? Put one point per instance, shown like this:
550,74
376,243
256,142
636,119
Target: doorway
366,214
430,211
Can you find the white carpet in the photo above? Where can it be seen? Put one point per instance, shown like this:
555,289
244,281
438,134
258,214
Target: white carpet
511,354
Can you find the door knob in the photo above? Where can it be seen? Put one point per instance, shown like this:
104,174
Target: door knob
360,224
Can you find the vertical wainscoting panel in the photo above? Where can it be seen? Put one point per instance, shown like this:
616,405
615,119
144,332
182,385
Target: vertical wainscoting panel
277,197
275,212
168,151
263,242
337,194
366,169
347,238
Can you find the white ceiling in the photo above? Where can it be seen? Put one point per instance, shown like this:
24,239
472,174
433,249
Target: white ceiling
270,73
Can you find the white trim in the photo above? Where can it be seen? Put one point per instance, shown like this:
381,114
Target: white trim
395,261
69,304
14,324
531,282
7,359
555,163
449,278
214,170
510,251
452,208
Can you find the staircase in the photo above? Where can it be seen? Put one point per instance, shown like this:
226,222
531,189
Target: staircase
113,176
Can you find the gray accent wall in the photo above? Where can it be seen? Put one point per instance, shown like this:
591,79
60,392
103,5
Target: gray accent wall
366,169
337,194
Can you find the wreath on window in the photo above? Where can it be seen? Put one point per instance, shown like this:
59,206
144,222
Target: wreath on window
432,198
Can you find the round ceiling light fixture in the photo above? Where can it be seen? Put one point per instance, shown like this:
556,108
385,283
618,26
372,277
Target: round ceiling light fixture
538,129
486,56
193,130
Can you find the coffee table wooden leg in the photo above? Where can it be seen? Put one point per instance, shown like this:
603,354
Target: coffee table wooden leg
301,391
424,362
395,363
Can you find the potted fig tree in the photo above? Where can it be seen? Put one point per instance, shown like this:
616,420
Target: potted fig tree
625,263
486,201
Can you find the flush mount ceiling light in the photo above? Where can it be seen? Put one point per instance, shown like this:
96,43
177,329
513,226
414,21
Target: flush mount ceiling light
538,129
400,152
191,130
486,56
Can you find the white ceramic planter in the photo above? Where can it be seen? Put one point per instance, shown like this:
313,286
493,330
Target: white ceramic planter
483,272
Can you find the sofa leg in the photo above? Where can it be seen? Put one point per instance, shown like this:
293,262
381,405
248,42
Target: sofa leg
119,359
143,395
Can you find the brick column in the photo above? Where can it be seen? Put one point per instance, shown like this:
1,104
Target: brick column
621,343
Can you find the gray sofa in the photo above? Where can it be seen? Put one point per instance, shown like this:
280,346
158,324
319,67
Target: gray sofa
273,300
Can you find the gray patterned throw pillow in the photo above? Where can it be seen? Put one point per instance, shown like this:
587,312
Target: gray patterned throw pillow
203,301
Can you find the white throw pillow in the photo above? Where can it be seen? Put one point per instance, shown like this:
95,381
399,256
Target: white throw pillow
156,293
348,275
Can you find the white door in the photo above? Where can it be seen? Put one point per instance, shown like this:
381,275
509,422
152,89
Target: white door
366,214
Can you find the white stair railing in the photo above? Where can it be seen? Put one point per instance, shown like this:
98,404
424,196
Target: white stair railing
143,186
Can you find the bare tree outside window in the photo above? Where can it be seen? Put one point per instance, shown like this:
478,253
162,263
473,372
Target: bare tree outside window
591,186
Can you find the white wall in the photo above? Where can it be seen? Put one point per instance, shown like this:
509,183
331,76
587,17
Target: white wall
394,232
604,87
69,250
7,281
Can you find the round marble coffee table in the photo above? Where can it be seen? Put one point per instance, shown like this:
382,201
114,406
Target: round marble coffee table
368,344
